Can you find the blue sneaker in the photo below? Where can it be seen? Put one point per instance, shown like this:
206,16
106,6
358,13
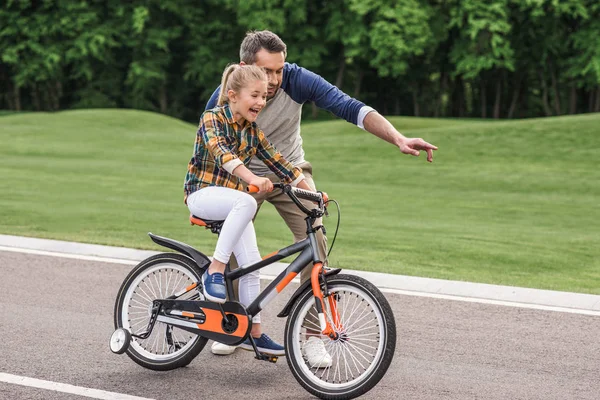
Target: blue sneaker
214,287
264,344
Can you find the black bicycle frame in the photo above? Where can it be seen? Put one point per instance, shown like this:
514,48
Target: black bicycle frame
308,252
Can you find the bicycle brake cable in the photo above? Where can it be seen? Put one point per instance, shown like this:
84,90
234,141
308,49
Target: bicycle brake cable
337,226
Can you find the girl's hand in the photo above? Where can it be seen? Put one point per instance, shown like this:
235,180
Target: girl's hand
263,184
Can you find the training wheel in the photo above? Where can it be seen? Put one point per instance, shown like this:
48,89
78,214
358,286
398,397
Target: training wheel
119,341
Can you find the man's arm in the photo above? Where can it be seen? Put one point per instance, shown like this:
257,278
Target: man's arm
383,129
212,102
277,163
303,85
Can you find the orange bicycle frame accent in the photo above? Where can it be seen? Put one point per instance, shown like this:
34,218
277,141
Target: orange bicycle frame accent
326,327
334,313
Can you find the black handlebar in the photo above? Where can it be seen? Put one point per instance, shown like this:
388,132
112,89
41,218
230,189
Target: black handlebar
294,193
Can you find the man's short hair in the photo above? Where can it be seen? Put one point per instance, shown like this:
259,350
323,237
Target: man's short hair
256,40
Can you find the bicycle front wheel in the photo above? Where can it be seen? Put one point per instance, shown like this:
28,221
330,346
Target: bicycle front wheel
158,277
364,349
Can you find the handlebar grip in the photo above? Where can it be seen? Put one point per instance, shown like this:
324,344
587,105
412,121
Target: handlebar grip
305,194
255,189
301,193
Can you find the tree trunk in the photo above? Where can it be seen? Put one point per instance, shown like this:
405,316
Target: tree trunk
54,94
163,98
483,99
358,83
339,81
17,97
461,98
573,100
515,97
438,101
6,98
4,90
557,107
522,103
415,91
591,101
59,93
50,97
397,106
442,89
547,109
314,110
597,107
35,95
468,93
498,99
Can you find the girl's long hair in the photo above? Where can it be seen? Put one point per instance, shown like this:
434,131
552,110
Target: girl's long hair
236,76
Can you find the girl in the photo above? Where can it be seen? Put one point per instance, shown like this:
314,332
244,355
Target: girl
226,140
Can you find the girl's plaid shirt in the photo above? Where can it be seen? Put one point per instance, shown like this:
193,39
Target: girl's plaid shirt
221,140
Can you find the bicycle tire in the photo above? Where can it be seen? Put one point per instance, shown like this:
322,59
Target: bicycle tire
351,292
132,311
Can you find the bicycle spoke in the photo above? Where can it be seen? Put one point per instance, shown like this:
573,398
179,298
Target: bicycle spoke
364,314
355,360
178,285
346,305
362,329
360,351
164,341
356,352
314,327
148,297
345,365
138,320
137,324
148,283
168,282
158,284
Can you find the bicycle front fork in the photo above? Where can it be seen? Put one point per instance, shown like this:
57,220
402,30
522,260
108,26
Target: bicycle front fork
325,325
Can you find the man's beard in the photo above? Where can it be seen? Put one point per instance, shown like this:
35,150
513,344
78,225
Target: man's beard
274,89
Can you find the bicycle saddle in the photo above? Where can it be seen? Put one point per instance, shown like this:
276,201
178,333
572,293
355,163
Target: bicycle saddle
213,225
204,222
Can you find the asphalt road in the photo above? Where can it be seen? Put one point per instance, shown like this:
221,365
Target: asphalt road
56,319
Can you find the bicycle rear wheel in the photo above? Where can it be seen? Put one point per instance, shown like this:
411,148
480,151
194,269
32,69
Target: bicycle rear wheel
159,277
364,349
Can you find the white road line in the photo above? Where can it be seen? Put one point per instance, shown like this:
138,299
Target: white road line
474,300
67,255
270,277
66,388
493,302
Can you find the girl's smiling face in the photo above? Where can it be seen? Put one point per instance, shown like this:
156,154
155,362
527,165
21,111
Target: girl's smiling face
249,101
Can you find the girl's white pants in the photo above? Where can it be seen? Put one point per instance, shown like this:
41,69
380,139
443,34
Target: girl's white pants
237,234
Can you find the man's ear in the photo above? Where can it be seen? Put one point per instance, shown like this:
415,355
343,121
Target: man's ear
232,95
242,63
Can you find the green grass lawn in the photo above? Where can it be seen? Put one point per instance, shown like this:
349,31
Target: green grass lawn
512,203
8,112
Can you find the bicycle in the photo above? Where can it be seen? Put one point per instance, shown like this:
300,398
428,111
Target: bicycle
164,294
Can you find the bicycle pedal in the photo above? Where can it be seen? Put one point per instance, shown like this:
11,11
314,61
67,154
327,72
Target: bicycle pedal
267,357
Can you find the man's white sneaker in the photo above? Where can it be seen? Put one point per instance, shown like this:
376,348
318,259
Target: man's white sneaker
316,354
221,349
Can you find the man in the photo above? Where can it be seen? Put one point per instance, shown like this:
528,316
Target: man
290,86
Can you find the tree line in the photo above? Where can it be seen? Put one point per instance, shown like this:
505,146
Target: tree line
454,58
